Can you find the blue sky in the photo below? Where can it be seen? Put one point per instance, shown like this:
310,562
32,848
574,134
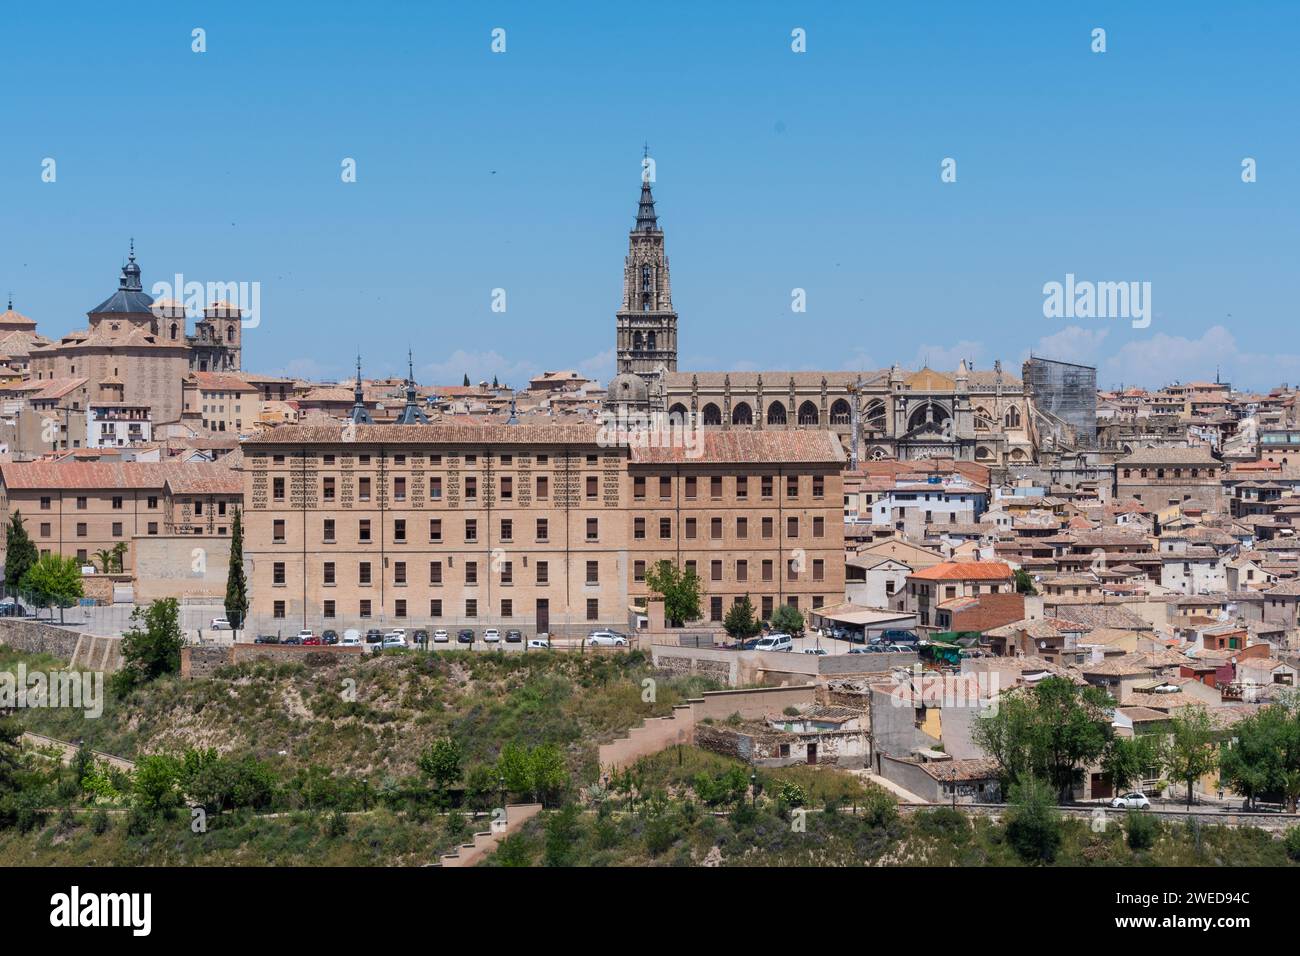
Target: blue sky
775,171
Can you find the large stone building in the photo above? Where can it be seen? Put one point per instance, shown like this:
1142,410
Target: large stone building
76,508
143,344
967,416
1160,477
541,527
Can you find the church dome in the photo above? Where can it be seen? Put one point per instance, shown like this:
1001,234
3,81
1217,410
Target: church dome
627,388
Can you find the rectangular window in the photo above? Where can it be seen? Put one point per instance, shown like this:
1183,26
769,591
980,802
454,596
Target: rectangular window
507,572
819,569
399,530
715,570
363,609
792,486
435,488
767,527
690,491
638,488
593,609
742,488
435,530
363,529
593,487
327,609
593,572
327,572
45,504
399,489
638,571
819,527
767,569
638,528
363,489
471,607
665,488
507,529
507,608
471,530
117,502
689,529
819,486
742,528
543,487
435,572
715,529
327,532
742,570
715,609
117,529
792,527
399,572
543,572
471,572
277,489
471,489
715,486
765,486
593,529
277,610
399,608
277,572
665,527
435,607
363,572
543,530
277,530
507,488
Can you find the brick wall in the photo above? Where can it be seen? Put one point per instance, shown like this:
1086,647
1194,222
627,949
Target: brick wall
197,662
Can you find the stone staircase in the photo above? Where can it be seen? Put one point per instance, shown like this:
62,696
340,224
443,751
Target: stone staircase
468,854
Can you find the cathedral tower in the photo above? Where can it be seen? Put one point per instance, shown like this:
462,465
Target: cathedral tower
647,324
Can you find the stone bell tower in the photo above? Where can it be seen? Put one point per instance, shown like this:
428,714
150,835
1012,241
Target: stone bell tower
647,324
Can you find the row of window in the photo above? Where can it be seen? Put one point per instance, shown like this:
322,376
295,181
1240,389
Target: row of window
401,611
83,530
542,487
117,504
542,529
541,571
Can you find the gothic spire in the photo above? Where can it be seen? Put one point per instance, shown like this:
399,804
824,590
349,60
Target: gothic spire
646,220
359,415
411,414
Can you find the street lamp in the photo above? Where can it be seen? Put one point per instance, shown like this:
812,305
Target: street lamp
501,784
753,782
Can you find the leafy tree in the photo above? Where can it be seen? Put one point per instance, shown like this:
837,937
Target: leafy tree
561,836
1190,752
1047,732
152,647
20,552
10,732
1033,822
679,589
1127,759
156,783
1264,756
236,582
1024,582
787,620
514,768
54,581
441,763
741,622
538,771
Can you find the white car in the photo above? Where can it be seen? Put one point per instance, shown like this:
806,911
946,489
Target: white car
540,643
305,634
393,639
350,639
491,636
220,624
1131,801
606,639
440,636
819,651
775,642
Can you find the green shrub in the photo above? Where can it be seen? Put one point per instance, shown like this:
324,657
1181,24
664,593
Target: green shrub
1033,824
1141,830
1292,843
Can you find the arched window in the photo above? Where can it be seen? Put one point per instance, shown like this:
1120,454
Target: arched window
982,454
1012,418
776,414
876,415
173,331
712,414
638,342
983,420
678,413
230,333
650,341
841,413
930,413
808,414
742,414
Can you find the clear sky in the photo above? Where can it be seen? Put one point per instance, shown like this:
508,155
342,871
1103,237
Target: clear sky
776,170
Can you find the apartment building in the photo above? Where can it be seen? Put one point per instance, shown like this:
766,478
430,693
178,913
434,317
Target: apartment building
540,527
76,508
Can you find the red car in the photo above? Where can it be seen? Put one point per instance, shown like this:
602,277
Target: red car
314,641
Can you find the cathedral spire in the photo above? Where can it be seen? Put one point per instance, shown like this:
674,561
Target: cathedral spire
411,414
646,219
359,414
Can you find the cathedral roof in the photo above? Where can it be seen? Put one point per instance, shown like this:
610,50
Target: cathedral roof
129,299
928,380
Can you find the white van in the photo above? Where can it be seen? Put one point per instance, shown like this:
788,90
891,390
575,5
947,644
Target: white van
775,642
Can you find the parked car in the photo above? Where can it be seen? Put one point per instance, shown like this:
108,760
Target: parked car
329,637
310,641
440,636
897,636
1131,801
374,635
514,637
859,650
391,640
351,639
293,639
540,643
307,633
775,642
491,636
606,639
465,636
819,651
220,624
266,639
900,648
420,638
